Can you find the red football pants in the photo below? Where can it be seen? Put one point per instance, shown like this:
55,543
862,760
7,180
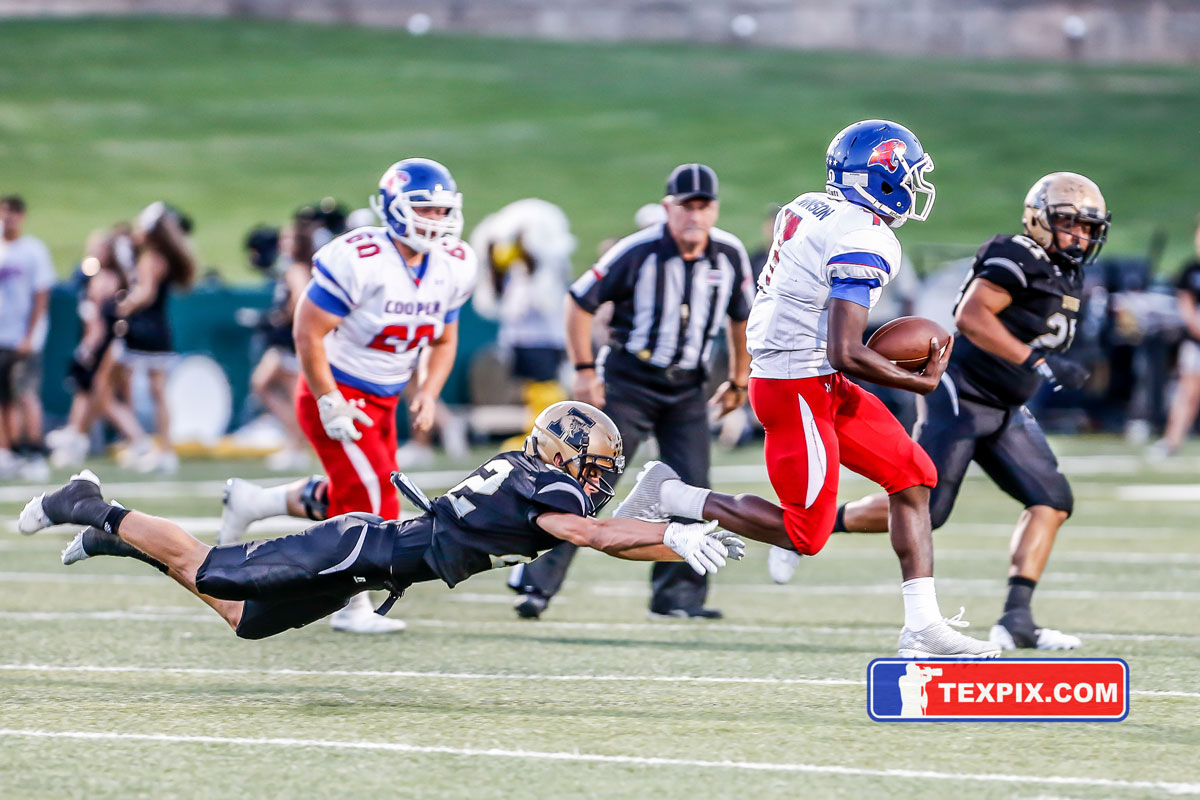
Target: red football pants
358,472
814,425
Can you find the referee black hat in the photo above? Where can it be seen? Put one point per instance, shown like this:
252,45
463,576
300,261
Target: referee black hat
692,180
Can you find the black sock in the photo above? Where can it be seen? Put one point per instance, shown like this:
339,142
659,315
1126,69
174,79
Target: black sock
112,520
1020,593
839,522
98,543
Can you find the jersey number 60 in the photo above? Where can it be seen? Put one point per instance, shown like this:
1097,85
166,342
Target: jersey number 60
394,338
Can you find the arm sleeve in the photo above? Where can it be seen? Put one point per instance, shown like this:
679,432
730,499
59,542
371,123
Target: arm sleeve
1002,265
335,285
611,278
869,256
742,296
557,493
44,277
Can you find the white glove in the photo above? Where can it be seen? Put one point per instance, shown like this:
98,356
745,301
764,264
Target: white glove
702,552
735,548
338,416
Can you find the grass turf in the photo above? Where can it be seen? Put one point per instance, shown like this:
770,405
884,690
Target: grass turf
239,122
466,674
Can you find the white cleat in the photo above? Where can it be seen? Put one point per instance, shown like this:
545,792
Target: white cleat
237,510
359,617
1047,639
644,500
74,552
940,640
33,516
782,563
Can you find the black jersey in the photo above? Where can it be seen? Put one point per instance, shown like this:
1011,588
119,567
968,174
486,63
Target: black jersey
1043,312
1189,280
490,519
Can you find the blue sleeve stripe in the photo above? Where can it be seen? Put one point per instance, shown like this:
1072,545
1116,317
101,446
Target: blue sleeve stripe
855,290
329,277
861,259
452,315
324,299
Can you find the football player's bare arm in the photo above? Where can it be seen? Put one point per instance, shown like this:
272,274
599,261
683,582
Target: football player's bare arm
309,327
587,387
848,354
978,319
183,554
731,394
631,539
433,369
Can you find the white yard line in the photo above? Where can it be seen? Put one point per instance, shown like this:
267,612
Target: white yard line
691,628
470,676
1171,787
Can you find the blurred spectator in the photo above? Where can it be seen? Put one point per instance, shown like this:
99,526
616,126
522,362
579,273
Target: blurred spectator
101,277
274,378
1186,402
164,260
322,221
26,276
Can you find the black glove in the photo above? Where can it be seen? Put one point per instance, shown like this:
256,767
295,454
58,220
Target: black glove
1058,370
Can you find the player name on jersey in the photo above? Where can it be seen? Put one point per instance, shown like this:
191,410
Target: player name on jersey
1048,690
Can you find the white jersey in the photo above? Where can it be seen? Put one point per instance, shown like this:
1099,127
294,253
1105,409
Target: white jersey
389,310
823,248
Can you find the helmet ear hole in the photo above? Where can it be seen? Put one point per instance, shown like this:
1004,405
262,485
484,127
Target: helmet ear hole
886,187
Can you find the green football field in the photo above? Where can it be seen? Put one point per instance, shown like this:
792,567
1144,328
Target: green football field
115,683
240,122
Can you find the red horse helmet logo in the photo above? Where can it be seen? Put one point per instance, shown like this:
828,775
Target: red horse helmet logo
399,178
888,154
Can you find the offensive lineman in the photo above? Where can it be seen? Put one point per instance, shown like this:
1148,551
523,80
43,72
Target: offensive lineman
380,300
833,253
1017,312
515,506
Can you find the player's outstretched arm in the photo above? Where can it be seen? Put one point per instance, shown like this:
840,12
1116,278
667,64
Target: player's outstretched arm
434,368
636,540
848,354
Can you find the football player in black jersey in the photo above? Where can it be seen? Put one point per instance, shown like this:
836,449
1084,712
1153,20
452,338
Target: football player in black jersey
509,510
1016,315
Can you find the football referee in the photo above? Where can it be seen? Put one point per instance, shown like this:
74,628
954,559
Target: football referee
672,286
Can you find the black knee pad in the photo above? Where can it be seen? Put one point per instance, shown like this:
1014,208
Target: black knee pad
315,498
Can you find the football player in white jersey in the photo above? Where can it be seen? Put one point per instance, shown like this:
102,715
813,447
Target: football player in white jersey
382,305
833,253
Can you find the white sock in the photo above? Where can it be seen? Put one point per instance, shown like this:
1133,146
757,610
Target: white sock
270,501
682,500
920,604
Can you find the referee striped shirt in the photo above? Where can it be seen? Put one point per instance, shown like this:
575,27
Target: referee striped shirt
666,311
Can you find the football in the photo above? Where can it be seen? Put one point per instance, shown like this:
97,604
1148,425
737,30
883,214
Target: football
905,341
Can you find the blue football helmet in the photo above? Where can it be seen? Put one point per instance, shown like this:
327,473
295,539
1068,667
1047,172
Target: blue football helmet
880,166
418,183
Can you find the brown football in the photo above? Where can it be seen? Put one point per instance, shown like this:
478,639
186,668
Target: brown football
905,341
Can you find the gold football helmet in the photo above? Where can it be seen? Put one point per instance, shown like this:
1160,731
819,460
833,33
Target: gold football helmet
1057,202
574,436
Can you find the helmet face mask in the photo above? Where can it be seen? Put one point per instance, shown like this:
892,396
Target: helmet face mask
1056,207
418,183
881,166
583,442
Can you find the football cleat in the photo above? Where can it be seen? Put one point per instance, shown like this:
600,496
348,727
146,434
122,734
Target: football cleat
359,617
92,541
236,510
941,640
530,606
782,563
1045,639
698,612
644,501
58,506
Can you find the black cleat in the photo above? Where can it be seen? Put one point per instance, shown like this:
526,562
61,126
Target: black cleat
531,606
698,612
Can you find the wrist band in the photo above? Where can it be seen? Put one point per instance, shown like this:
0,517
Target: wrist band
588,365
737,388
